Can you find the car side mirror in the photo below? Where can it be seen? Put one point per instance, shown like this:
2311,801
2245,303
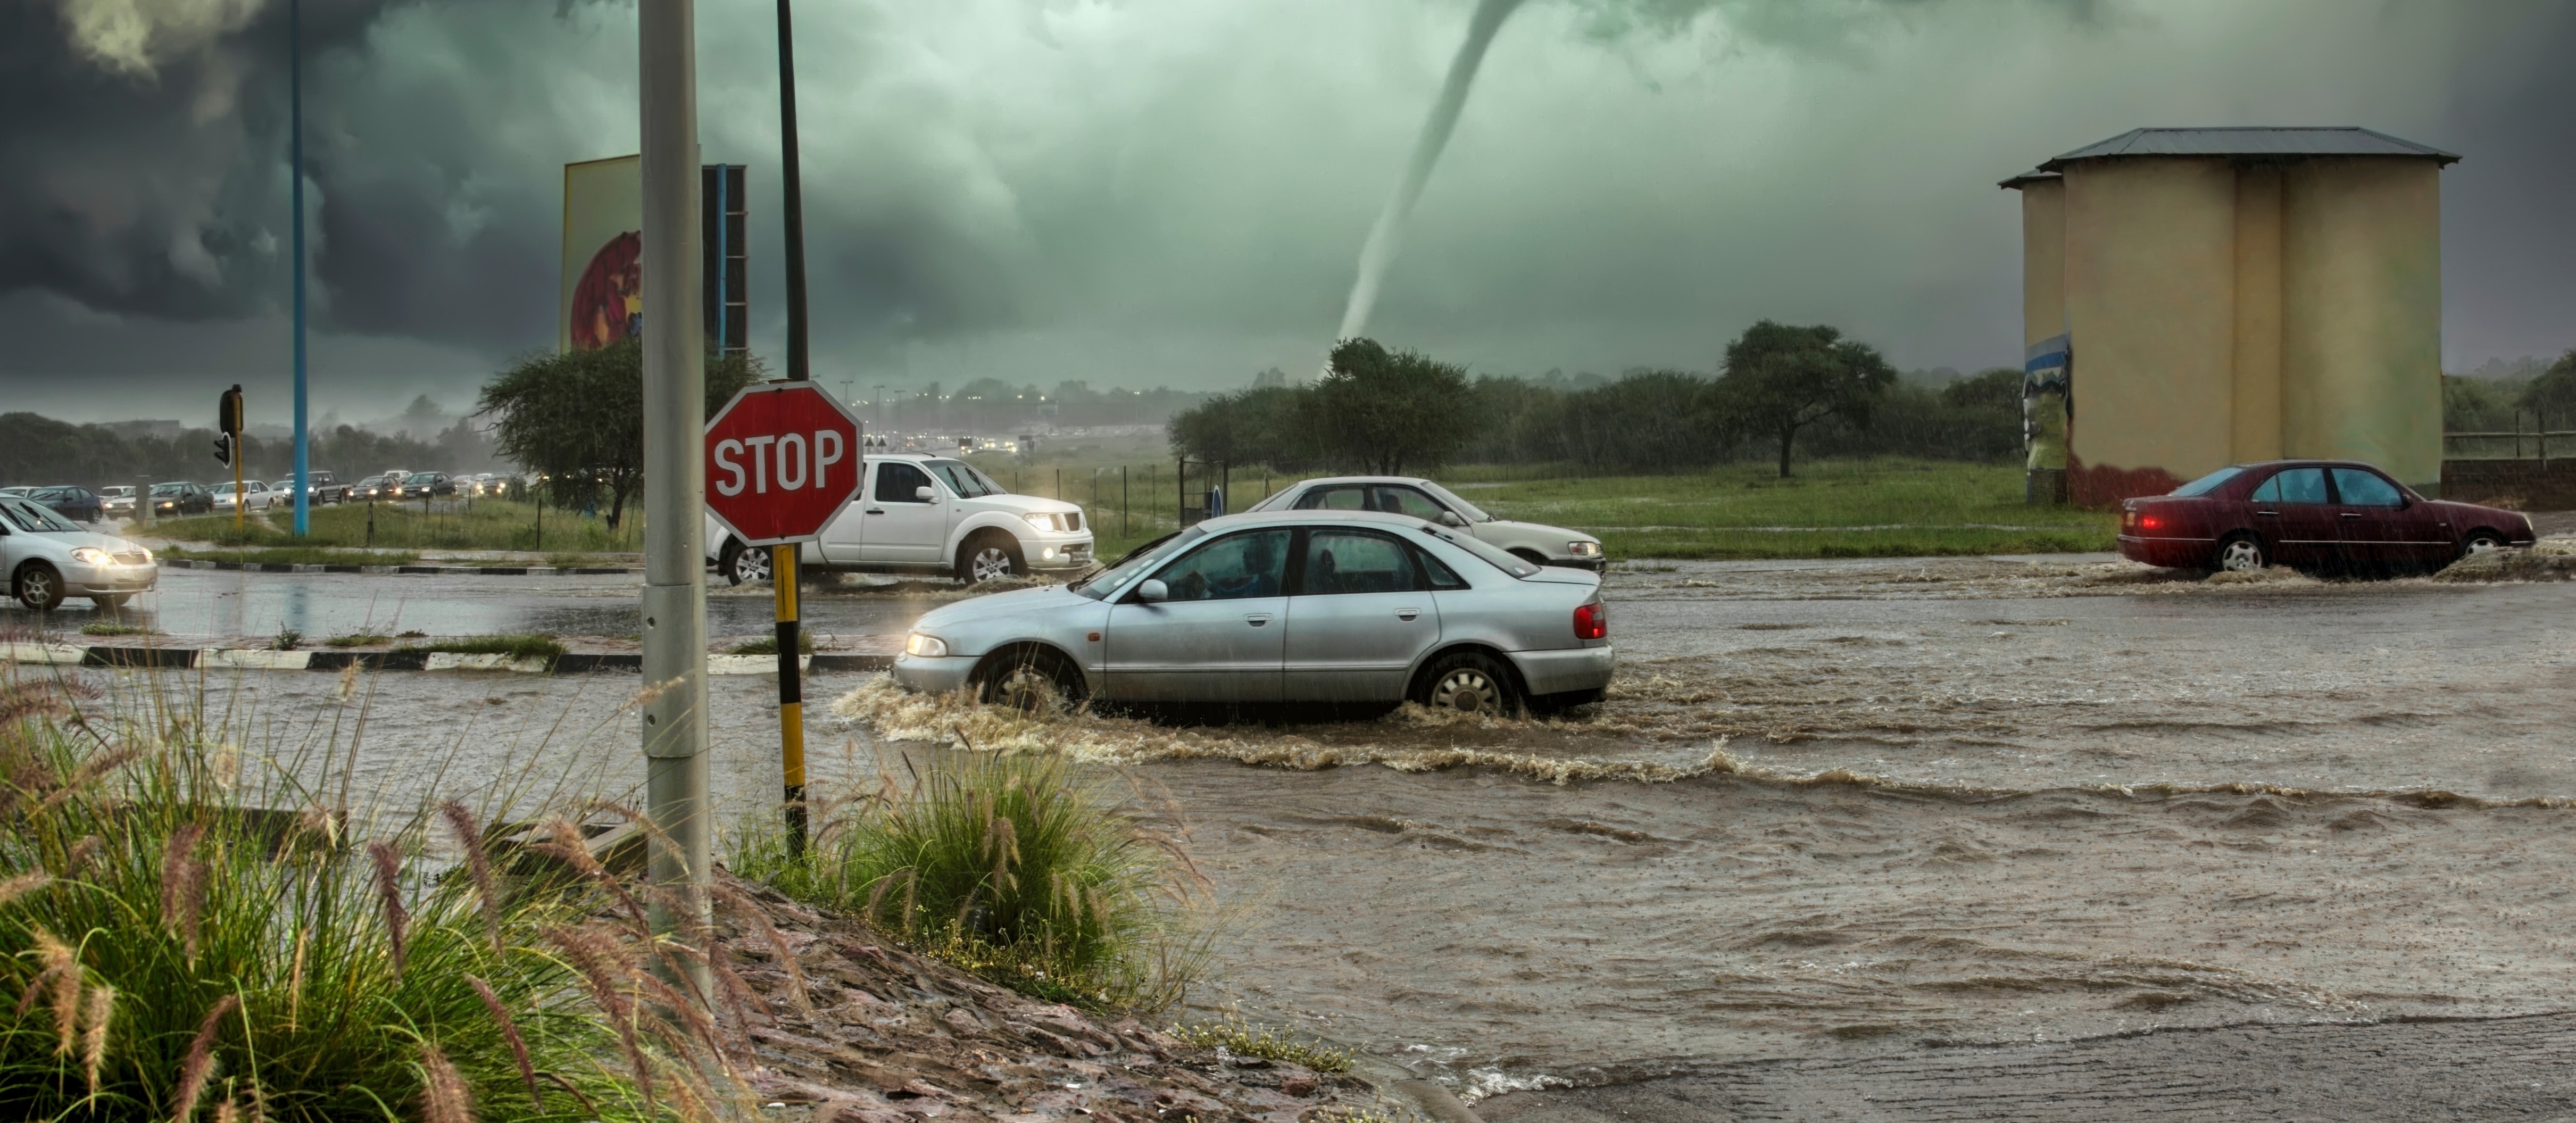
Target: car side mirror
1153,592
1450,518
924,494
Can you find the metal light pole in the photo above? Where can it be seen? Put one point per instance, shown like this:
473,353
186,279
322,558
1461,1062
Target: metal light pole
782,558
295,157
675,580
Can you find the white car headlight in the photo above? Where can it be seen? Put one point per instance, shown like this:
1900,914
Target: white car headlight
1041,520
1583,549
91,555
922,646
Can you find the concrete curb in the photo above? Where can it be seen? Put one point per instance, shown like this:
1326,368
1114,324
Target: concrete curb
262,659
394,570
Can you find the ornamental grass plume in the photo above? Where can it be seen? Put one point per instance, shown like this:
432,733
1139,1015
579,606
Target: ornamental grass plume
197,955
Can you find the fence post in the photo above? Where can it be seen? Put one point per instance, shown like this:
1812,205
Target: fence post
1122,501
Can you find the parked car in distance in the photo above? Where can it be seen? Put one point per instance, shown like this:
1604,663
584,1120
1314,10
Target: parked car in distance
72,502
2309,514
117,499
180,497
928,515
1285,606
326,489
1430,502
422,485
380,486
15,492
255,495
49,559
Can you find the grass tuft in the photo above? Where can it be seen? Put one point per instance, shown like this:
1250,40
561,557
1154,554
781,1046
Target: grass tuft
489,524
1246,1039
358,639
288,639
107,628
768,645
292,555
1016,869
532,645
182,952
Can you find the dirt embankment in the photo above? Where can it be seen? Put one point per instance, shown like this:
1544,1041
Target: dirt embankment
855,1030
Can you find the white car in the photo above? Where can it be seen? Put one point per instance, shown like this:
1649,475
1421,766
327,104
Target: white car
50,558
1430,502
255,493
929,515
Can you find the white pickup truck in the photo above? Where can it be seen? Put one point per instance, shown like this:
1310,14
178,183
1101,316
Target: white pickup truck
928,515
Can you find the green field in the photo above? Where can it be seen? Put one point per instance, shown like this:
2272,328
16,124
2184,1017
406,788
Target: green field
489,524
1830,509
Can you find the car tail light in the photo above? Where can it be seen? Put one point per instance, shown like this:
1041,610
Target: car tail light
1592,621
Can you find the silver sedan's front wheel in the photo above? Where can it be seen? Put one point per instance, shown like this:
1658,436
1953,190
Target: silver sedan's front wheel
2241,555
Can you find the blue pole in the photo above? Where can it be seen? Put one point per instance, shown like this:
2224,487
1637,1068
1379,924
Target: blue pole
295,146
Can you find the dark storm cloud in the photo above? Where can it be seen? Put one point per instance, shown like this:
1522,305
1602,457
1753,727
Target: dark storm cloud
1177,190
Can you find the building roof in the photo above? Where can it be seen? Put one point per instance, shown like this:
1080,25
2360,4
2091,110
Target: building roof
2251,141
2032,176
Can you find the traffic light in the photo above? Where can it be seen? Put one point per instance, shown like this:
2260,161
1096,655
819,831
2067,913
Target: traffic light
224,450
228,425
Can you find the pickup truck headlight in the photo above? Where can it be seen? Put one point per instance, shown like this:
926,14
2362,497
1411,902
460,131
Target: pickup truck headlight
1042,521
922,646
91,555
1583,549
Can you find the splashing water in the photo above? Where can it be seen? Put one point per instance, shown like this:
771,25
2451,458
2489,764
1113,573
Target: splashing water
1379,251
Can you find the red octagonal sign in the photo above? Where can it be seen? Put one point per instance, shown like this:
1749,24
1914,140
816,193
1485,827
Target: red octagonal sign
783,458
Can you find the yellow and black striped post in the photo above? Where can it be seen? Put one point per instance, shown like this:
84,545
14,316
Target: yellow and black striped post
791,694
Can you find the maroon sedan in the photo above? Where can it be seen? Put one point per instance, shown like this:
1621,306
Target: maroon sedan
2312,514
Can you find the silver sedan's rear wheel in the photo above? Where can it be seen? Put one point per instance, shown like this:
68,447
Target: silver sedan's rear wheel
2242,554
1469,682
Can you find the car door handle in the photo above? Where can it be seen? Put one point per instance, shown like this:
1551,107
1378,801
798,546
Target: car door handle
2273,514
876,510
2352,514
1407,614
1256,619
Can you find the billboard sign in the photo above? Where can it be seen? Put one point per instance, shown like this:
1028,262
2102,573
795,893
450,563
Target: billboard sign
603,253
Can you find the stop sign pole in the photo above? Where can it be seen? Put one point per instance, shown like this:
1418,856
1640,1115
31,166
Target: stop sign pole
783,459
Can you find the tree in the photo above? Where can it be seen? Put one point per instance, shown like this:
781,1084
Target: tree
1382,409
2553,394
577,417
1780,379
1269,425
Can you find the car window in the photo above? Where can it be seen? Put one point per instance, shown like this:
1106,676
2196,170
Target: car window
900,481
1142,558
1453,502
1442,577
2361,488
2293,485
1237,566
2209,483
1487,552
1408,501
965,480
28,516
1355,561
1333,499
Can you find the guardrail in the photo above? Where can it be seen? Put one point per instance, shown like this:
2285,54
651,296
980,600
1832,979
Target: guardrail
2523,444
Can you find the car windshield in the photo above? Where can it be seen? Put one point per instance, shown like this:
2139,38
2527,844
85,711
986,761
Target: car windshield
963,479
223,489
2209,483
423,478
1473,512
28,516
1489,553
1109,580
169,489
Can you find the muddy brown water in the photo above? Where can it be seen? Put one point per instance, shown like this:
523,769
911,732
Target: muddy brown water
1838,808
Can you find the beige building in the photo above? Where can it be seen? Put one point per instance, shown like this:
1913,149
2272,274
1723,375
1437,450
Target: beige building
2239,294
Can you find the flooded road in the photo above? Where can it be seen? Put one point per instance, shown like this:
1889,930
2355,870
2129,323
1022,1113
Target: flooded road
1840,808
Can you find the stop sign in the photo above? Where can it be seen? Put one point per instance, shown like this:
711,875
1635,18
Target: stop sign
783,458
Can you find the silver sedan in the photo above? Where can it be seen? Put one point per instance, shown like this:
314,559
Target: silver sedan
1293,606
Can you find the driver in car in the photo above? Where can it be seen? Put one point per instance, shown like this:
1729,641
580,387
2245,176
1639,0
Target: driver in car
1256,572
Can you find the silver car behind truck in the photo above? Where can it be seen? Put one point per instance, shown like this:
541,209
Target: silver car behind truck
1285,606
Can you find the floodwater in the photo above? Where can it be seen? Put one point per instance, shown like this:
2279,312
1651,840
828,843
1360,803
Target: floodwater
1829,807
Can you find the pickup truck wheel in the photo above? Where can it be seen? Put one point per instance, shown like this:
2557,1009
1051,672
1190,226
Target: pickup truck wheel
741,564
40,587
989,557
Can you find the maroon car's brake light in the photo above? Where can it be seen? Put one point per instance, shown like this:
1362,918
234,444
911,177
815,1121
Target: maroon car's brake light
1591,621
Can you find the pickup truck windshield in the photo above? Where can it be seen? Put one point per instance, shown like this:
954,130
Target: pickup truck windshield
963,479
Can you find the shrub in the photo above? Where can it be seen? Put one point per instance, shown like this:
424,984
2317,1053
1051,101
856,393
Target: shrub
1014,868
185,952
